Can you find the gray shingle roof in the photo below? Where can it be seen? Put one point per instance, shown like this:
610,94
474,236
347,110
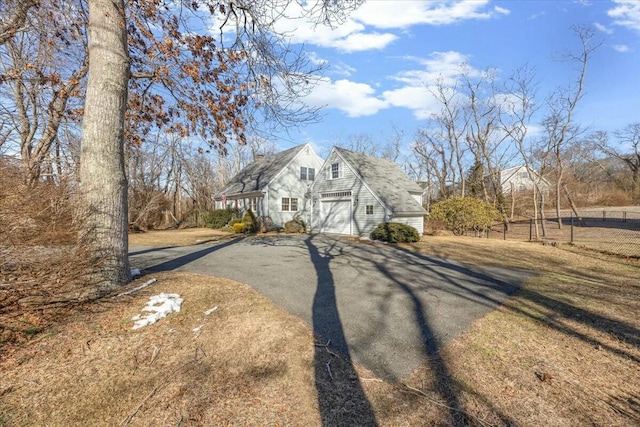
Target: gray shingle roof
386,180
258,174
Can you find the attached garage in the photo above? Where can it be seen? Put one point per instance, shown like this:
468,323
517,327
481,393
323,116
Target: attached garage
335,216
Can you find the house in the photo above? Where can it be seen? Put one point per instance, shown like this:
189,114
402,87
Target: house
274,186
518,178
353,193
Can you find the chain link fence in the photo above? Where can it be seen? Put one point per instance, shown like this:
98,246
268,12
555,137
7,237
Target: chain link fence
613,230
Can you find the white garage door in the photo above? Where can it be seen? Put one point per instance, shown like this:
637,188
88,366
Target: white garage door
336,217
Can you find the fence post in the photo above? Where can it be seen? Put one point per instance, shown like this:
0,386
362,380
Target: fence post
530,228
504,231
624,216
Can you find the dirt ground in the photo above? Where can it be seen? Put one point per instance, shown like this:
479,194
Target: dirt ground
565,351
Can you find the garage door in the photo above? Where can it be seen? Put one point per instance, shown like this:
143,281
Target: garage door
336,217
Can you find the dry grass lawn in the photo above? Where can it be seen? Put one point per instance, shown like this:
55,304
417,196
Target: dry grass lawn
565,351
183,237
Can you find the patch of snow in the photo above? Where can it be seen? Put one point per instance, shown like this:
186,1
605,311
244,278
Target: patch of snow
158,306
135,272
211,310
197,329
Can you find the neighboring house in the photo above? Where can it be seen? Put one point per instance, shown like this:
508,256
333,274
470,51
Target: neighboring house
274,186
517,179
353,193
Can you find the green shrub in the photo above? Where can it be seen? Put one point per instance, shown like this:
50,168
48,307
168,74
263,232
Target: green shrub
296,225
464,213
220,217
395,232
249,220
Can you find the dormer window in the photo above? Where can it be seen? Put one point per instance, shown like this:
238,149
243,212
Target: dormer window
335,170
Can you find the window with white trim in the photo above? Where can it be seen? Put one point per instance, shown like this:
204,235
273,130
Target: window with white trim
307,174
335,170
369,210
289,204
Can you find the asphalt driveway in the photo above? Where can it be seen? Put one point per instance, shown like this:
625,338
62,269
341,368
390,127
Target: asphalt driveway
384,307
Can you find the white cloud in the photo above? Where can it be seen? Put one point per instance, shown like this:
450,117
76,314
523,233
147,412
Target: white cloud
337,68
357,32
420,99
405,13
626,14
415,92
622,48
364,41
341,69
602,28
355,99
502,10
443,66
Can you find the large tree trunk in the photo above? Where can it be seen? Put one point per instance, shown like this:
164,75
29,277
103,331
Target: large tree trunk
102,168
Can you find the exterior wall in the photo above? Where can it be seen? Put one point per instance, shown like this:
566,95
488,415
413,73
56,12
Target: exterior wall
520,180
361,223
288,184
416,222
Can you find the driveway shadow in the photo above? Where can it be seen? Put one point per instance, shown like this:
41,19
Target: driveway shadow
343,402
176,263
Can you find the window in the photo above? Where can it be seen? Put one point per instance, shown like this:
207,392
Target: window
254,205
369,210
289,204
307,174
523,174
335,170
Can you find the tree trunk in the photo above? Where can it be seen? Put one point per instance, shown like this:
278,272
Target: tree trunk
574,208
102,167
543,219
535,210
558,198
636,186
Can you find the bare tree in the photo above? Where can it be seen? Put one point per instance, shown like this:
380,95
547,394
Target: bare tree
15,13
559,124
41,94
627,150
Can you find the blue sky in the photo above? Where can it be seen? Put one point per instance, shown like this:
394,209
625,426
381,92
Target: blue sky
383,58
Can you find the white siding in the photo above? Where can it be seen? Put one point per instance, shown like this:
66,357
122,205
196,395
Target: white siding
361,222
416,222
289,184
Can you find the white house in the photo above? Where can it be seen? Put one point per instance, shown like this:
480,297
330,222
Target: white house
353,193
517,179
274,186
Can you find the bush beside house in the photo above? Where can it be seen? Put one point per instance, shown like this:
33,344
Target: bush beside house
394,232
